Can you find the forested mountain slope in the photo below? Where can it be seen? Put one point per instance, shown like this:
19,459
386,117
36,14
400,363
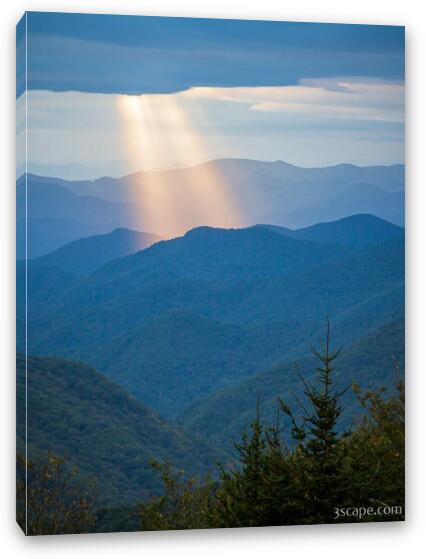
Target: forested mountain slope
374,361
77,413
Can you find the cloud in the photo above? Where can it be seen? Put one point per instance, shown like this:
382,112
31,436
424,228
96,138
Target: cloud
136,55
342,98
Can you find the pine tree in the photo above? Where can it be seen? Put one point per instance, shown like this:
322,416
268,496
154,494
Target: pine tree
259,491
318,451
240,499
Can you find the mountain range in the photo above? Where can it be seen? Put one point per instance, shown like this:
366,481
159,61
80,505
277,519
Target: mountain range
59,211
148,345
183,318
48,215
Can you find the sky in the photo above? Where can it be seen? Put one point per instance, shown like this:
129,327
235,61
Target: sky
109,95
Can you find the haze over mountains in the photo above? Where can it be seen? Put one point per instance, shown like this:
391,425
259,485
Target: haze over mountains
55,216
275,193
185,333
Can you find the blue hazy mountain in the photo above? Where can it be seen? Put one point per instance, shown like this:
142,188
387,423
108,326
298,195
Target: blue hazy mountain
263,192
47,234
250,175
75,171
76,412
357,199
180,319
49,215
82,256
306,195
215,253
45,197
354,230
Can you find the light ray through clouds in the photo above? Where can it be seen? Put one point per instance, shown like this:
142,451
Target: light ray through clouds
158,124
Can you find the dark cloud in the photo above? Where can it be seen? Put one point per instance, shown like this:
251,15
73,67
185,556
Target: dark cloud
136,54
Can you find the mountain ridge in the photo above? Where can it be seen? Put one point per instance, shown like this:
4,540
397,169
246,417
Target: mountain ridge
353,230
390,166
254,192
83,256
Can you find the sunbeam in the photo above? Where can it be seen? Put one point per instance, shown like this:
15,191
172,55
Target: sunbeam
159,126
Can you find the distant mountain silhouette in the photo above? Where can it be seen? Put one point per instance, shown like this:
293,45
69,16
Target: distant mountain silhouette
251,174
355,230
261,192
85,255
49,215
354,199
44,197
47,234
